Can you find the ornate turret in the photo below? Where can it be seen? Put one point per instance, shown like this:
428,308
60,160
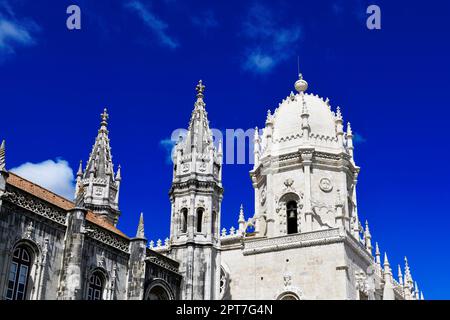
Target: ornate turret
100,186
196,196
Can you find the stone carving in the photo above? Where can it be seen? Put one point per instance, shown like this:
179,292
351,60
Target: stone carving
288,185
29,231
263,195
37,206
101,261
98,191
108,238
325,185
287,279
202,167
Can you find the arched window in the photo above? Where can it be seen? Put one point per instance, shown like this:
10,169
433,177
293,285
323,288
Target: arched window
199,219
288,296
184,217
158,293
19,273
96,286
291,214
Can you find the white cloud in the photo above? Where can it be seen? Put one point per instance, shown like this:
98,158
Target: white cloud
269,43
168,145
158,26
55,176
14,32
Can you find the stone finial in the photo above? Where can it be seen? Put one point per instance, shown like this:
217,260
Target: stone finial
400,276
349,130
80,169
301,85
408,276
367,238
256,135
269,117
166,242
200,88
152,244
140,230
2,156
386,263
241,214
338,114
377,255
388,290
232,230
224,232
158,243
104,122
118,174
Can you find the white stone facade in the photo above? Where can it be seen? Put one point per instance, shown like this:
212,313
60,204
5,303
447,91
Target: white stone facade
304,239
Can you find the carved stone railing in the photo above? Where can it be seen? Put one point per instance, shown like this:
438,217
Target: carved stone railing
162,261
107,237
36,206
321,237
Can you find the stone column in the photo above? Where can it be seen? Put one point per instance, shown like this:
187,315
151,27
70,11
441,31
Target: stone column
72,271
307,161
136,269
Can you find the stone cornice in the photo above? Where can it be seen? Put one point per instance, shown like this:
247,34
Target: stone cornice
196,184
322,237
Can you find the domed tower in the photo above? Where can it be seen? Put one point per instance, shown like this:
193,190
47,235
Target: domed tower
304,174
196,196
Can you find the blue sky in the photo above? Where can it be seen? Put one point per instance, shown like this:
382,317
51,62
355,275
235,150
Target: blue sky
142,60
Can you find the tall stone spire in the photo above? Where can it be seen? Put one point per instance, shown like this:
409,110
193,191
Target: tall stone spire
2,156
199,137
196,196
100,186
140,230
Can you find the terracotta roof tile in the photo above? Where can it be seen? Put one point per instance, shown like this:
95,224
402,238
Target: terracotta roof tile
57,200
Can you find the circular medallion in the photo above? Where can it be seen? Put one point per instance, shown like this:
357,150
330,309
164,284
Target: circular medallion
325,185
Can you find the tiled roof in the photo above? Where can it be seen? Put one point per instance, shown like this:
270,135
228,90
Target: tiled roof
57,201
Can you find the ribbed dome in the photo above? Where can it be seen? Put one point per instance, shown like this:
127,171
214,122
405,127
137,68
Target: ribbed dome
287,117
